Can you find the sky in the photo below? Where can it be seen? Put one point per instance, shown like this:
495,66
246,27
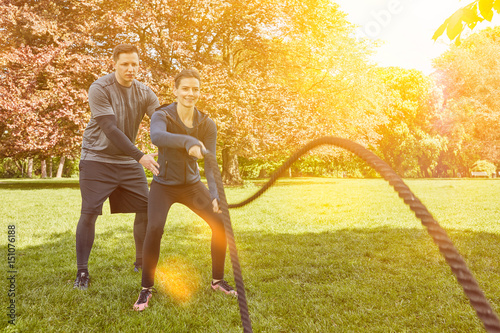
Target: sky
405,28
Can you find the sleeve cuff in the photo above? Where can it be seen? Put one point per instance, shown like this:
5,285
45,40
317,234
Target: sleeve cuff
191,142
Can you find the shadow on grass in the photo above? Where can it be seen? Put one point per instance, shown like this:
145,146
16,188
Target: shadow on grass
39,184
376,280
27,184
391,278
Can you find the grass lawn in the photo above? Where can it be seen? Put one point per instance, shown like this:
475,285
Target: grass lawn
317,255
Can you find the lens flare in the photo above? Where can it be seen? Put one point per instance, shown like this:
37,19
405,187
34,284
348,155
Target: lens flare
178,279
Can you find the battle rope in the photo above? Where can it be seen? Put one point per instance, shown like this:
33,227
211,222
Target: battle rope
211,160
457,264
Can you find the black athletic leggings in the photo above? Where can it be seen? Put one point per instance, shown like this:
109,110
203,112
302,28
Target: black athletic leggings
197,198
85,234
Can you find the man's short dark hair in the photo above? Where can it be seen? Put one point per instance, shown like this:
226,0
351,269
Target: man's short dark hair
186,73
124,48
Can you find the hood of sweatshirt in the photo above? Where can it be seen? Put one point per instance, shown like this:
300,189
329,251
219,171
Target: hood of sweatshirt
172,115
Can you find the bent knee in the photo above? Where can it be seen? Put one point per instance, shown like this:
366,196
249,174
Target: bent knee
155,231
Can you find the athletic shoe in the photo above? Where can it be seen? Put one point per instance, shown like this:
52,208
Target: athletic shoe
223,286
82,281
143,300
137,268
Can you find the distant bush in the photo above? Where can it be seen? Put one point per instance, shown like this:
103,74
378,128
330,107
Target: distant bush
308,166
483,165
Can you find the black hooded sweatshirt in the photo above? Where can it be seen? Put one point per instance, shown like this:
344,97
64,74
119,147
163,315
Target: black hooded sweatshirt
174,140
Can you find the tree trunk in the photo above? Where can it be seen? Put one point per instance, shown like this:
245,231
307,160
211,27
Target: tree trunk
29,174
230,168
50,168
20,167
43,164
61,167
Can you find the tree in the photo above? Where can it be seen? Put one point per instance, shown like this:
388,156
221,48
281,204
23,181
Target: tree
222,39
407,141
329,70
251,55
276,73
45,73
467,16
485,166
328,86
470,116
42,115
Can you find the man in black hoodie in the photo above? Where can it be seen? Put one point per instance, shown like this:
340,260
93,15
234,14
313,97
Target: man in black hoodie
181,132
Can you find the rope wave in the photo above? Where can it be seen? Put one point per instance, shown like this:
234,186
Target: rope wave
457,264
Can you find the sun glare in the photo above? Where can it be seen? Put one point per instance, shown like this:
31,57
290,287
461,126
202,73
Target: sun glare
405,29
178,278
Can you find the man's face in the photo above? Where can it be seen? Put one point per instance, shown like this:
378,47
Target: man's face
188,92
126,68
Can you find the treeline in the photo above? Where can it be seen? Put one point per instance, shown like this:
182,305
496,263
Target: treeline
276,74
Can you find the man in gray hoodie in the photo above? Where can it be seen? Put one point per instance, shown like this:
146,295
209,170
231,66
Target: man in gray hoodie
111,166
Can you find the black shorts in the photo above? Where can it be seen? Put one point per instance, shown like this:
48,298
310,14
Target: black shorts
125,185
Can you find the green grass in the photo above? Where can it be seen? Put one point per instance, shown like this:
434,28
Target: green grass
317,255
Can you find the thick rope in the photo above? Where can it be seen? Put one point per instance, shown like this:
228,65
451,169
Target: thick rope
211,161
438,234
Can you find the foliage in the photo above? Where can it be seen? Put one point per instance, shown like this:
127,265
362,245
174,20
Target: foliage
10,169
483,165
275,73
45,72
469,114
256,168
18,168
407,141
42,115
330,71
467,16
